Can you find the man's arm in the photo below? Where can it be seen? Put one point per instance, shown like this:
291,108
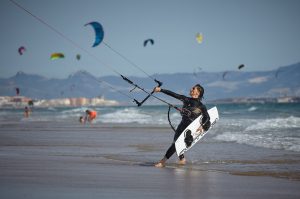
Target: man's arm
205,118
170,93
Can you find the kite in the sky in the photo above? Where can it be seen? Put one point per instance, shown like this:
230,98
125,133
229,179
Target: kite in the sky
78,56
55,56
241,66
197,71
148,40
224,74
21,50
199,38
99,33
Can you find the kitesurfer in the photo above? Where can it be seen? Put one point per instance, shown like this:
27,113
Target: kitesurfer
195,107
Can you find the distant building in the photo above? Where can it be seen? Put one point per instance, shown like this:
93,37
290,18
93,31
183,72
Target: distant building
20,101
288,100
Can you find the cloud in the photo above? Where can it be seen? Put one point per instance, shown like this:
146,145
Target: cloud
257,80
224,84
280,91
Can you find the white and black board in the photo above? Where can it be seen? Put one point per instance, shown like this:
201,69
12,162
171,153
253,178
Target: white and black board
180,144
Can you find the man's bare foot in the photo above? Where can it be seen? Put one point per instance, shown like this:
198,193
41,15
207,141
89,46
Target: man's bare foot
161,163
182,161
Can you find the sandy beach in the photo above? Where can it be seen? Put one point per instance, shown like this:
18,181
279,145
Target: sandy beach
59,160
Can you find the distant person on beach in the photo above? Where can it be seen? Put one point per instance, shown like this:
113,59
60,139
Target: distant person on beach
81,120
90,115
27,112
195,106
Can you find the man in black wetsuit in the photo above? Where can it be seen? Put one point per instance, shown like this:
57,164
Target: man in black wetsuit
193,105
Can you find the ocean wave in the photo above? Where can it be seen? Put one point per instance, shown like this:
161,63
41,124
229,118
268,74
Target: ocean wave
275,123
51,109
134,115
36,119
127,115
252,108
273,133
268,140
72,113
80,110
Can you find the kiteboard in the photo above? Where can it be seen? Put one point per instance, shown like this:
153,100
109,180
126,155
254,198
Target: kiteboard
189,137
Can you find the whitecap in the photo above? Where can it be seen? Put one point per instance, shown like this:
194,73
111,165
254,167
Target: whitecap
275,123
126,115
252,108
270,141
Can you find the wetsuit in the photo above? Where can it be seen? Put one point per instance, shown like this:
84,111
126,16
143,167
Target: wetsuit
196,108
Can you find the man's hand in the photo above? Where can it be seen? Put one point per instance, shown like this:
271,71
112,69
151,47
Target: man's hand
157,89
200,129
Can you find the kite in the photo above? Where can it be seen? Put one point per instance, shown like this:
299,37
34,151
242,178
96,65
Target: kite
55,56
78,57
197,71
199,38
99,33
241,66
21,50
148,40
224,74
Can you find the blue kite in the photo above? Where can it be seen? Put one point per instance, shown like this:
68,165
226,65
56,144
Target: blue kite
99,33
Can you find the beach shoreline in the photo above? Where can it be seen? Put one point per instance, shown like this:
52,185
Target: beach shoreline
100,161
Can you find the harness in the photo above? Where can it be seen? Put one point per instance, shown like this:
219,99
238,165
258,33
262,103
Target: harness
183,112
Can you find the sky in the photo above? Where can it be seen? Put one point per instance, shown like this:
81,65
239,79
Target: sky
261,34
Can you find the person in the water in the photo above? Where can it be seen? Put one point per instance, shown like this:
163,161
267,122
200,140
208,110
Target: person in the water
90,115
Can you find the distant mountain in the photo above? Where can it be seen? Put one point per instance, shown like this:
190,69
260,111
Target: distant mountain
218,85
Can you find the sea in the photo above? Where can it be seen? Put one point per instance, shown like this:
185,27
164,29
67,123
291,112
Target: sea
248,139
274,126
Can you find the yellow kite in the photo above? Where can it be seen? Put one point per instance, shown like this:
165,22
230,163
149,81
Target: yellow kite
199,38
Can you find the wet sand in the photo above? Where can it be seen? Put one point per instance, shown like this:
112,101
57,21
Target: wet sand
60,161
